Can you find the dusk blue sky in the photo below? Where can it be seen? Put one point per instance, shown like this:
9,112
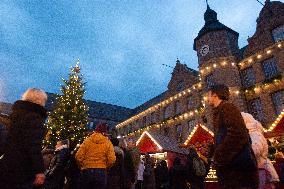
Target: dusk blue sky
121,44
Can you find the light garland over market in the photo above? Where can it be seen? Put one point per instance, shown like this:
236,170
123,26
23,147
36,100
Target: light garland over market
162,104
256,89
245,63
185,116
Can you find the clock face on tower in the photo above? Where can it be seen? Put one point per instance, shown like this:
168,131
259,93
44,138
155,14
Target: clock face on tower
204,50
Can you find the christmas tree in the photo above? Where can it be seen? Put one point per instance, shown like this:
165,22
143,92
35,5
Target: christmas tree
69,117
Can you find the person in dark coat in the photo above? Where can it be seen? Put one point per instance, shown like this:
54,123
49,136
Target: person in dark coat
47,155
55,175
162,175
149,175
130,175
177,175
72,171
22,165
196,181
4,126
229,144
115,175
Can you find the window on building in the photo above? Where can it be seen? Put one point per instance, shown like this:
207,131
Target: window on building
129,128
248,77
180,86
190,103
209,80
278,33
255,108
152,118
144,121
166,131
191,124
269,68
179,133
178,107
167,112
278,101
157,116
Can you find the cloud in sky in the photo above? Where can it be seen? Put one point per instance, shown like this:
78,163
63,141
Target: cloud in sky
121,44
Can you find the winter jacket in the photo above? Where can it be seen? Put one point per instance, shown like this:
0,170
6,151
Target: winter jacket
23,159
162,176
4,125
116,173
130,173
177,176
228,146
259,143
96,152
55,175
149,175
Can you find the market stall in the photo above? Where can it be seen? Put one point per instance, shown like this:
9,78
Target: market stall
277,128
161,147
200,138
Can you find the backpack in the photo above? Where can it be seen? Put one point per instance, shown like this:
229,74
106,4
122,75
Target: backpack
199,167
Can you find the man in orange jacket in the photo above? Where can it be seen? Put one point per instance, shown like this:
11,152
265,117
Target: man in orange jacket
94,156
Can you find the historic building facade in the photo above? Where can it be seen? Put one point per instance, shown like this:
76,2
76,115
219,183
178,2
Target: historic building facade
253,73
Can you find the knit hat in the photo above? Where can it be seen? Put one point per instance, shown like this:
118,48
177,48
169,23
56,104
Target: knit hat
101,128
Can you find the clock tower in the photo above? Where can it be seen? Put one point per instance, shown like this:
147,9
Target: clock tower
218,54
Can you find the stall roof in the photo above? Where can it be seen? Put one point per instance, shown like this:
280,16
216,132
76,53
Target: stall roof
200,133
163,143
277,128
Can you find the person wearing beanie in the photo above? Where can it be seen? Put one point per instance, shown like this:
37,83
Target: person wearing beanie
94,156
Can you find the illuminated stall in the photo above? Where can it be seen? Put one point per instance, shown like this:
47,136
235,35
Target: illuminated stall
200,138
160,147
277,128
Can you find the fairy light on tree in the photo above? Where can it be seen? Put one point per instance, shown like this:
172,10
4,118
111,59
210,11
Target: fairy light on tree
69,117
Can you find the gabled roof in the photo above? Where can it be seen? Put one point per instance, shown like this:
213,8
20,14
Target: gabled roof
277,128
200,133
162,142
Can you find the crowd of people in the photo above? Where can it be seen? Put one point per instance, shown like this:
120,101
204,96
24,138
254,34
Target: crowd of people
239,154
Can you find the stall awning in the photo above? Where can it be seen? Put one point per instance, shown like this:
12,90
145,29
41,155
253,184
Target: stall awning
150,142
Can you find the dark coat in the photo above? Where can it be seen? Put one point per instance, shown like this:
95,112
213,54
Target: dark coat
149,175
130,174
228,116
177,177
162,175
191,175
4,126
55,175
23,158
115,176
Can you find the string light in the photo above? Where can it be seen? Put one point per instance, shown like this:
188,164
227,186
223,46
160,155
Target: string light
275,123
171,121
159,105
194,130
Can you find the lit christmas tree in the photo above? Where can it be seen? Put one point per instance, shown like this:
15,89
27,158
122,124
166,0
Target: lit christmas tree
69,117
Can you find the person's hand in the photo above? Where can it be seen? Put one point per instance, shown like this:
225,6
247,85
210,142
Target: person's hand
39,179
